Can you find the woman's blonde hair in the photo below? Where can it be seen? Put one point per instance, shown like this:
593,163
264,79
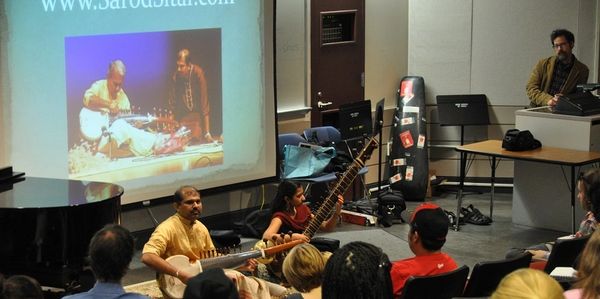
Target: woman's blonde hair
303,267
588,272
530,284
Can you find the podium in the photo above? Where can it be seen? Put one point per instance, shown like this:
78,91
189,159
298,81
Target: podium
542,190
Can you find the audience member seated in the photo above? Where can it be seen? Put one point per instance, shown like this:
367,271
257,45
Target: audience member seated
21,287
357,270
212,283
303,268
110,251
528,284
588,194
290,214
587,285
427,234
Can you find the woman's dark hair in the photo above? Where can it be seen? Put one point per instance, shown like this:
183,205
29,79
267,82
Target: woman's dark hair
562,32
285,189
358,270
591,183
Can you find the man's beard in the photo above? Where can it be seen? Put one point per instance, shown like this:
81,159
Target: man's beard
563,57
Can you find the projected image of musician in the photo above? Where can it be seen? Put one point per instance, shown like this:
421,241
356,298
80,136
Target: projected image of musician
188,98
150,106
104,120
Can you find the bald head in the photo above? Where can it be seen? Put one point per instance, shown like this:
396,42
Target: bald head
116,67
115,77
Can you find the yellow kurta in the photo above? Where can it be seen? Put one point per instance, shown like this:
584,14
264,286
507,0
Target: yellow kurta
177,236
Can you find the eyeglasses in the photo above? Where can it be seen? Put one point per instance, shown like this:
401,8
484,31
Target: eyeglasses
561,45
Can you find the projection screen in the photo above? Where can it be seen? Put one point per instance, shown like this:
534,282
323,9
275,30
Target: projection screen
148,94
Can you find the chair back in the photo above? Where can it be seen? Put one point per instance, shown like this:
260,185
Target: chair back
440,286
321,135
486,276
288,138
565,252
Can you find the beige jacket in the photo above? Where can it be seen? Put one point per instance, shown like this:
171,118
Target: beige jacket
541,78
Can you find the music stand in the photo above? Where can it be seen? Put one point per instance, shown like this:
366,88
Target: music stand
356,124
355,120
463,110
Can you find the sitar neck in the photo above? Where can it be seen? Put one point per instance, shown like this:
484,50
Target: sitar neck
340,187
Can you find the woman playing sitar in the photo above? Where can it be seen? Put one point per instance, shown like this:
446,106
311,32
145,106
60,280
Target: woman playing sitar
290,214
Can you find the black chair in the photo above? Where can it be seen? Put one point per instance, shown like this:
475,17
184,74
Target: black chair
486,276
565,252
289,139
323,135
441,286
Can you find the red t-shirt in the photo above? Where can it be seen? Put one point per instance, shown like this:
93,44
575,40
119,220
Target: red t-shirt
423,265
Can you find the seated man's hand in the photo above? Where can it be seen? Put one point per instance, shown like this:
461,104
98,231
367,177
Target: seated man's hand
113,107
184,276
250,265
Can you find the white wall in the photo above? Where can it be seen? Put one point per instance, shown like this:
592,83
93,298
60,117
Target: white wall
386,49
490,46
291,54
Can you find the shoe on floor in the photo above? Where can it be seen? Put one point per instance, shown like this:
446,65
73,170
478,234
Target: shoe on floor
474,216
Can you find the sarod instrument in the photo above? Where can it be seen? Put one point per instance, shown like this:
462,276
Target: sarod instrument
93,124
174,288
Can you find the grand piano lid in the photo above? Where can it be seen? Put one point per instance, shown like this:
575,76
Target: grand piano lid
32,192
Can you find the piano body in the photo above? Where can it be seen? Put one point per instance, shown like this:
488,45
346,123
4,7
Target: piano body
46,226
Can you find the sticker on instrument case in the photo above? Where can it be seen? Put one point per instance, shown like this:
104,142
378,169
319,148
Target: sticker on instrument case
421,141
410,109
408,121
395,178
406,138
406,91
409,173
399,162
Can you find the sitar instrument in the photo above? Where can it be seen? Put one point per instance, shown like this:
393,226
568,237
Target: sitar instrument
343,182
324,211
